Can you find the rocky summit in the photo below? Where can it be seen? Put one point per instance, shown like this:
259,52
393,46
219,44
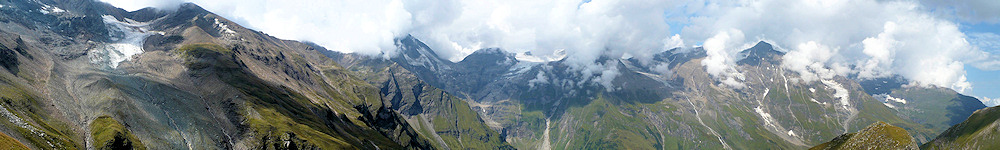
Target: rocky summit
83,74
876,136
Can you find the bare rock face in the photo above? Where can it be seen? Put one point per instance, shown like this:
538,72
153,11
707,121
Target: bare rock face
671,96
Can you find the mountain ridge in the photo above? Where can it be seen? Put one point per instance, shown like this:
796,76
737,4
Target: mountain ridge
196,80
762,58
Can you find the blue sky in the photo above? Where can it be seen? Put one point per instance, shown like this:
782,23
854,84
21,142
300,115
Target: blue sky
986,83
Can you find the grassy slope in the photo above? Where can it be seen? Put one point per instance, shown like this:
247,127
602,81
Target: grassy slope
461,127
282,112
611,123
9,143
603,125
452,119
979,131
41,128
937,109
879,135
108,133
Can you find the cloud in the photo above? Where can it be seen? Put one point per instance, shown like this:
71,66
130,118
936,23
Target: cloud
810,61
583,30
925,50
913,39
974,11
539,80
133,5
721,50
607,76
367,27
990,44
843,37
985,40
990,102
455,29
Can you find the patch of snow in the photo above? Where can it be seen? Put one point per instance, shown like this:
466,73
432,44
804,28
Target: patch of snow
791,133
546,143
898,100
46,9
817,102
698,116
127,39
422,60
812,90
843,95
527,57
840,92
223,27
889,105
768,119
506,61
887,100
766,90
559,55
521,67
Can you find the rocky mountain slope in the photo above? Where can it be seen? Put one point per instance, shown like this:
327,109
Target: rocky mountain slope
84,74
542,105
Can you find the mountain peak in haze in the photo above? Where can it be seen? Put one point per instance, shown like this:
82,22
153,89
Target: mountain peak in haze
763,51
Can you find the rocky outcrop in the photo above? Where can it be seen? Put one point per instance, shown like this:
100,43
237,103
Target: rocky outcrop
448,121
876,136
516,97
393,125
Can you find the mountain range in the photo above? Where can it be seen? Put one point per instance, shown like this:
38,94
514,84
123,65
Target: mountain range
82,74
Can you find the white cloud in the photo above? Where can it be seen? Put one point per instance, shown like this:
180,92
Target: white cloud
914,39
721,50
133,5
990,44
608,75
840,37
810,61
539,80
367,27
584,30
662,69
926,50
990,102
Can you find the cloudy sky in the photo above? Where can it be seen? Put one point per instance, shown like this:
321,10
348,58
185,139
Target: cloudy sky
947,43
